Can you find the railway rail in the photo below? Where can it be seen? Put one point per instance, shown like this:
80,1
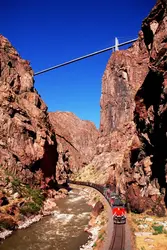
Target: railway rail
118,240
118,237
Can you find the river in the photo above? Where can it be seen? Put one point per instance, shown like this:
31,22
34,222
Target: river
64,230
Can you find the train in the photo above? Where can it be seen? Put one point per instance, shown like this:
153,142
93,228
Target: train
119,212
118,207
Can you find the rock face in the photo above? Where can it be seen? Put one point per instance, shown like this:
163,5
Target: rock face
29,147
130,150
76,139
132,142
97,209
33,158
27,141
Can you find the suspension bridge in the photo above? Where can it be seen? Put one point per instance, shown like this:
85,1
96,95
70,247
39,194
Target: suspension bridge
115,47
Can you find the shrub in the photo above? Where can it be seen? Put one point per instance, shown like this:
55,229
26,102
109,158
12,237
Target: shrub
100,236
4,224
7,223
158,229
36,195
16,182
95,244
30,208
16,185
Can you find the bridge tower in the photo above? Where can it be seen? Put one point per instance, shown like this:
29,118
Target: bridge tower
116,44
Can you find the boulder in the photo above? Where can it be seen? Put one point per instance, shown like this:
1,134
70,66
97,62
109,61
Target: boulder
98,208
3,199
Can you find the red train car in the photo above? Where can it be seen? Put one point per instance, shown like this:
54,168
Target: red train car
119,212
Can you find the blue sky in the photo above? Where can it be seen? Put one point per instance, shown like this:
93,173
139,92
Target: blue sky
50,32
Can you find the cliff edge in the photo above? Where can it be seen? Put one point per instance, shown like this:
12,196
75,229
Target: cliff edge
132,142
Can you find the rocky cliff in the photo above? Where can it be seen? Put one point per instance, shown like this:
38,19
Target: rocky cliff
28,147
129,152
76,138
27,141
132,142
34,156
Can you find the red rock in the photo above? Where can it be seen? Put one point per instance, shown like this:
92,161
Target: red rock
131,146
76,139
12,210
27,141
132,142
7,222
98,208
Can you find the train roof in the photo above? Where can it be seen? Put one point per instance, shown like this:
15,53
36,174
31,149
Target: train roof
118,202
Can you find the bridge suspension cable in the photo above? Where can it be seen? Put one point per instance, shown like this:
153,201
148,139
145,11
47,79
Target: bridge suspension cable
86,56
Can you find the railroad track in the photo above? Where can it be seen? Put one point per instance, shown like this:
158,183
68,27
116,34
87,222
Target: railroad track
118,238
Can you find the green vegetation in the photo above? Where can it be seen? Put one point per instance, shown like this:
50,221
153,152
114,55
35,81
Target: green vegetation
22,200
33,197
7,225
16,183
4,224
158,229
30,208
101,236
25,190
36,197
95,244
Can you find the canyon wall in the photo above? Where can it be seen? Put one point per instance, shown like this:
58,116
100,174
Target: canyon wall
129,152
27,140
30,148
35,158
76,138
132,142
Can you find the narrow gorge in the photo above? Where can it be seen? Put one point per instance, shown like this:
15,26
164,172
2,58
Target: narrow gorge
40,150
131,148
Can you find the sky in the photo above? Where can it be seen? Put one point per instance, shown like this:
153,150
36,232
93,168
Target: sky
52,31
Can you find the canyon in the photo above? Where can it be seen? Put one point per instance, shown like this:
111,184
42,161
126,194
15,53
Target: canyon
133,117
131,148
40,150
76,138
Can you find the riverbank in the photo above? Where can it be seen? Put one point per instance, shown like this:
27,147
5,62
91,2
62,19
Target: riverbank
100,226
25,221
64,229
